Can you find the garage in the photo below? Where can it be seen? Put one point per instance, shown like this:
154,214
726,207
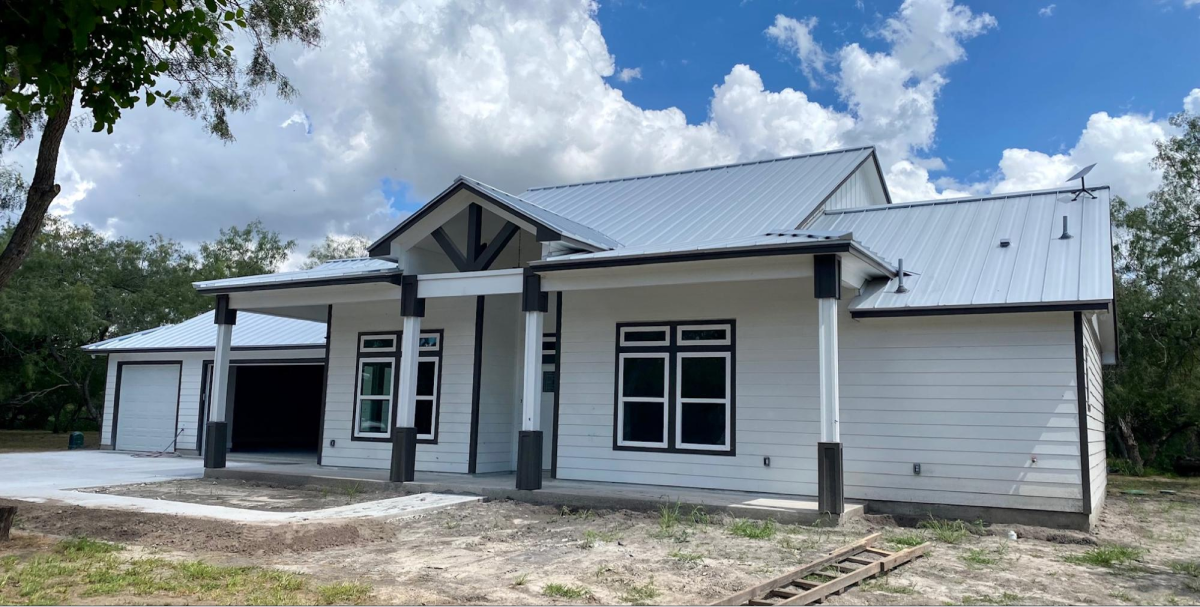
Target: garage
157,388
148,398
274,407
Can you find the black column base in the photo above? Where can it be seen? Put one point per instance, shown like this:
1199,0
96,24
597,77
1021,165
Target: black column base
529,460
215,436
404,455
830,490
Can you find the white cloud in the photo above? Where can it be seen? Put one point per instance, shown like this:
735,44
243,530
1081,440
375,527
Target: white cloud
796,37
401,98
1191,103
1048,10
629,73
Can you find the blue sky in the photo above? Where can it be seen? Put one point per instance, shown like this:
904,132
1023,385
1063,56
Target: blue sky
1031,82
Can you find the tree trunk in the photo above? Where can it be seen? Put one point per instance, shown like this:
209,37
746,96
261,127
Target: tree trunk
1130,445
7,513
42,191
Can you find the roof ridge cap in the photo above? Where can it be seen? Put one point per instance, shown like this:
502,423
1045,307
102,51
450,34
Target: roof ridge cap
960,200
701,169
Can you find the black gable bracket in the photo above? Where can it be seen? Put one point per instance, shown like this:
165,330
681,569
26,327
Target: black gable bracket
492,251
456,256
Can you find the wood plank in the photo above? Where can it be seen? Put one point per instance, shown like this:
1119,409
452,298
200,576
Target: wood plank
794,575
824,590
859,560
783,594
877,551
903,556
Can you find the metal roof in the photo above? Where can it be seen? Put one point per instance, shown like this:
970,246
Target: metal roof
564,226
199,333
732,201
330,271
952,248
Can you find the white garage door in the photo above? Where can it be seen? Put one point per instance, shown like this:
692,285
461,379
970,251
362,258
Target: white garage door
148,398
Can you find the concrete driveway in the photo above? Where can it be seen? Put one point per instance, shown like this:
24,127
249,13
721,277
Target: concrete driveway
55,476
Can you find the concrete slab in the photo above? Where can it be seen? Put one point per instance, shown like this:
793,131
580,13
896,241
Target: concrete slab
554,492
44,477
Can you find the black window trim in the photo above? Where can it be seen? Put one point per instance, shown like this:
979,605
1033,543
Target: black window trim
672,350
395,356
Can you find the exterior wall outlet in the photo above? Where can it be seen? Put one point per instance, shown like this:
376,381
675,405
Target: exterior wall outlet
917,469
767,462
332,442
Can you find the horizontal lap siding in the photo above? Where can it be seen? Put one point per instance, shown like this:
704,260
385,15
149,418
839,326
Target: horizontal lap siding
498,386
973,399
1097,454
776,386
456,317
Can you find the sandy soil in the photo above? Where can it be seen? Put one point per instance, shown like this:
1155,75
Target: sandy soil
244,494
508,553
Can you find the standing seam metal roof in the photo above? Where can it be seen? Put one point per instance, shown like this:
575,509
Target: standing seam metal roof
252,330
952,248
731,201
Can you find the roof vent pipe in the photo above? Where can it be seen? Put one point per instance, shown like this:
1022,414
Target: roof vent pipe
1065,235
900,288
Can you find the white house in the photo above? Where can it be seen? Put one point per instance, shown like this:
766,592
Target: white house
777,326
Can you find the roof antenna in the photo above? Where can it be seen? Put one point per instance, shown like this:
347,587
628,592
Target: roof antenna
1082,184
900,288
1065,235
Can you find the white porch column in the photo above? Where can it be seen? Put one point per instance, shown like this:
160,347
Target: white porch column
404,436
535,303
827,288
216,431
531,394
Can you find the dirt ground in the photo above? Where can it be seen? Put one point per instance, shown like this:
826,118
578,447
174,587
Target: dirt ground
509,553
245,494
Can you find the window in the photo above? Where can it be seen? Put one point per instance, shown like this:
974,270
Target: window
375,376
375,403
675,389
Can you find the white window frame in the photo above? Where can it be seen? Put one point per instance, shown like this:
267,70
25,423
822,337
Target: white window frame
666,331
703,342
365,350
621,398
434,348
433,419
680,400
389,399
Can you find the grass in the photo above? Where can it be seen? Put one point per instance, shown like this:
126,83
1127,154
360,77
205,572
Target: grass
84,570
687,558
1006,598
1110,556
640,595
885,585
592,537
907,540
1191,568
668,516
585,514
978,557
26,441
948,532
755,530
562,591
521,580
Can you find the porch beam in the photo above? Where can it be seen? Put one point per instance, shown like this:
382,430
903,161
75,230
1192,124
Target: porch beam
216,432
827,288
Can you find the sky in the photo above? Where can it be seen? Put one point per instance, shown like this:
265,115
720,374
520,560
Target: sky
959,97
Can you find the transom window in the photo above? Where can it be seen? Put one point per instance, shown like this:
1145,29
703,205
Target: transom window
375,403
675,387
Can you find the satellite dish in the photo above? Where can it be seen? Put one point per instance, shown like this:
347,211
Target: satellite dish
1082,184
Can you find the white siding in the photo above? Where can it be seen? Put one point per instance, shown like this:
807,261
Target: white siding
455,316
1097,454
861,189
498,386
974,399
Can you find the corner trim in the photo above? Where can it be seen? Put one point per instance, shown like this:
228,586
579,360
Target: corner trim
325,384
476,378
1085,469
558,349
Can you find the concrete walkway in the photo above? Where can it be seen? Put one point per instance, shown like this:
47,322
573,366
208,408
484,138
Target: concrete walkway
44,477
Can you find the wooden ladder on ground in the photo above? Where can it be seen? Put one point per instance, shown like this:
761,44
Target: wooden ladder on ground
830,574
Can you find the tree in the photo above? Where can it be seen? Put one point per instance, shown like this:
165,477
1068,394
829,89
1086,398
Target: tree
78,287
336,247
112,55
1153,395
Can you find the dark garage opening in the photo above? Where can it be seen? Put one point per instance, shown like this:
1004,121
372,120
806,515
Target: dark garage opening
277,408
